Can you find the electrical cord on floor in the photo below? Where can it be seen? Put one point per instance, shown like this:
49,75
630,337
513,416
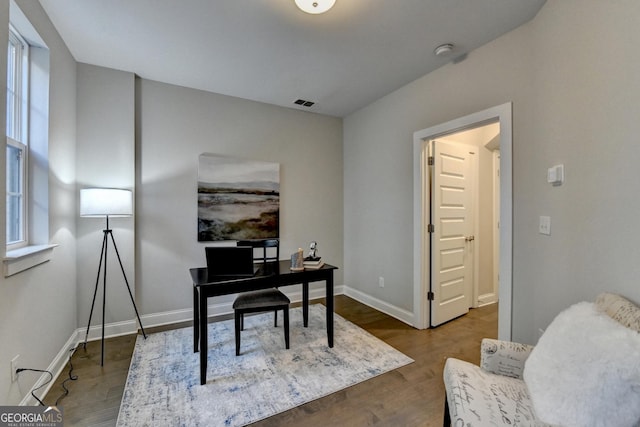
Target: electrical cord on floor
71,377
63,385
33,392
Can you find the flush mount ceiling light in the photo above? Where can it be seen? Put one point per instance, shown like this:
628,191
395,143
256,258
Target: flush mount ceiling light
443,49
315,7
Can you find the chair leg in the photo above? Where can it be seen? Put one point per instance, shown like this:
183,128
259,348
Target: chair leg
275,318
286,327
447,416
242,321
238,319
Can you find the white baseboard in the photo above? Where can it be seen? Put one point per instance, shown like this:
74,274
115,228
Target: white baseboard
393,311
487,299
115,329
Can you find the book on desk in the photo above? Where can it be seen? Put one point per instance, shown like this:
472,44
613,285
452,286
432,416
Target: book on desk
312,263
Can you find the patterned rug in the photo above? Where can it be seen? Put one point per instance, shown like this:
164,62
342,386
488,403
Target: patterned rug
163,386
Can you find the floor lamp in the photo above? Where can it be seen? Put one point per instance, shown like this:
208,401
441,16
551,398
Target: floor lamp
105,203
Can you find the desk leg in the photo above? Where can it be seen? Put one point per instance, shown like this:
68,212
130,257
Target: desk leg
329,298
305,304
196,319
204,346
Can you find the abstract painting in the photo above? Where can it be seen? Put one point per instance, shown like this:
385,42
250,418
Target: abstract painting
237,199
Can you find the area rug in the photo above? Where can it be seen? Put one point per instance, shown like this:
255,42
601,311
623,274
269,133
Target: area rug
163,386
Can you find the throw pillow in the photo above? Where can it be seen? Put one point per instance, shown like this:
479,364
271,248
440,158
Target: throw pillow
585,371
620,309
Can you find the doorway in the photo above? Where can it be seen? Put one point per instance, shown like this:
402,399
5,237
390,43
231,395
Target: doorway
481,241
501,117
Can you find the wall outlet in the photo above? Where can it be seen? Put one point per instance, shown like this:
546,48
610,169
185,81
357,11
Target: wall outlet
381,281
14,368
545,225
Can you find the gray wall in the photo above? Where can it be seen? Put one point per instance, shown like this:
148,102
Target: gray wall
38,306
136,133
105,158
575,91
174,126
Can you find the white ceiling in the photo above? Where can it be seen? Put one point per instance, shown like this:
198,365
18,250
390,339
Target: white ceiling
270,51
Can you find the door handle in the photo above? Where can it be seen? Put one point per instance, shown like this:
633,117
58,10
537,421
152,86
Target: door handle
469,238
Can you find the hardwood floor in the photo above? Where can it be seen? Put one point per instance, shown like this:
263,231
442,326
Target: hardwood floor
412,395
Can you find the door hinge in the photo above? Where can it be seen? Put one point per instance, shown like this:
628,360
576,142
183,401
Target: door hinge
430,228
430,161
430,296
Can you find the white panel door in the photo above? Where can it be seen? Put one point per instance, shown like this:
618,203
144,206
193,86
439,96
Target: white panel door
452,235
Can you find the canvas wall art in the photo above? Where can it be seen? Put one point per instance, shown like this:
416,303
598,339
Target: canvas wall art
237,199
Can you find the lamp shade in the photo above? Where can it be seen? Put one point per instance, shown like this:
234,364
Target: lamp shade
101,202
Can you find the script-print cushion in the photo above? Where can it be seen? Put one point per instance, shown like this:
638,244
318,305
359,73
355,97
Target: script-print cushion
479,398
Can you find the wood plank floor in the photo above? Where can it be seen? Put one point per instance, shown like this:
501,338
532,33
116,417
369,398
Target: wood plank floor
412,395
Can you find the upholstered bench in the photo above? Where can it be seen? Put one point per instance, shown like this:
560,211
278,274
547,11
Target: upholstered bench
584,371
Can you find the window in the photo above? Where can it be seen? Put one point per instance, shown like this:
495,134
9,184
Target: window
17,152
27,242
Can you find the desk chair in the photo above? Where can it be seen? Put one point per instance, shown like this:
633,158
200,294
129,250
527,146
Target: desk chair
262,300
257,302
269,248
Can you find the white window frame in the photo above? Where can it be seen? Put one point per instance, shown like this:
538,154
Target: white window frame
36,248
17,129
20,192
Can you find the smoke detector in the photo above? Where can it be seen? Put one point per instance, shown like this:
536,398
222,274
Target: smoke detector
443,50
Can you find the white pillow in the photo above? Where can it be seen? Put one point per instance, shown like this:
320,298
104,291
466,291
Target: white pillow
585,371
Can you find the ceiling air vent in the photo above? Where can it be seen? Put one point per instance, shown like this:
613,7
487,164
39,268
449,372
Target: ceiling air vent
303,103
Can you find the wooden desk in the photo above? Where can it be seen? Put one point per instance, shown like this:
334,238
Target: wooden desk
269,275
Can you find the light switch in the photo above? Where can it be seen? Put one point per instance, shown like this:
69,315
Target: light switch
545,225
555,175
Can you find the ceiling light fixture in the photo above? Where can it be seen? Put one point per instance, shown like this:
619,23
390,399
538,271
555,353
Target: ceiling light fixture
443,49
315,7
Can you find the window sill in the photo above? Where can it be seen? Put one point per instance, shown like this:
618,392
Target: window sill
22,259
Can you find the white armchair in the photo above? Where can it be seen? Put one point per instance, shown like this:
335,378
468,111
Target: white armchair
569,380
